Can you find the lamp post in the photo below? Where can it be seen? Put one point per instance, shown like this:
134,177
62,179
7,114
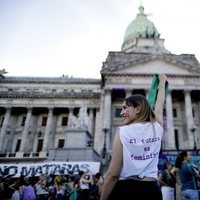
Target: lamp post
193,129
104,151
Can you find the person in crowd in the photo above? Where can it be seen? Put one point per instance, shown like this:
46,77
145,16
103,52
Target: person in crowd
60,187
5,190
85,180
188,176
27,190
41,189
1,188
99,179
96,187
52,193
15,187
167,181
71,188
77,184
133,169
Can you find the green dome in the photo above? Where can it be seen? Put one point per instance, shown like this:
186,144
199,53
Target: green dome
141,27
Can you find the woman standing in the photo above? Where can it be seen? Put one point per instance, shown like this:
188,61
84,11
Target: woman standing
168,181
133,169
27,190
41,189
85,181
71,188
188,176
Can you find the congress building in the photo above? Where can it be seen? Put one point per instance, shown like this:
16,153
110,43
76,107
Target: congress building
75,119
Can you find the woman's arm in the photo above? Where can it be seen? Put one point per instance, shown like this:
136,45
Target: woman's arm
90,180
12,186
114,168
160,98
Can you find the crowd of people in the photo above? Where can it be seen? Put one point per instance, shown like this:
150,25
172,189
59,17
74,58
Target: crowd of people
83,186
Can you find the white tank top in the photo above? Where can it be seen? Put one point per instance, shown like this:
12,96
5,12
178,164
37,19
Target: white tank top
141,147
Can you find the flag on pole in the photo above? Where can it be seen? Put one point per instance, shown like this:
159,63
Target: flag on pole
152,96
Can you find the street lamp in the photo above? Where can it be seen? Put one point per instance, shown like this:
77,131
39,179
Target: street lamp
193,129
104,151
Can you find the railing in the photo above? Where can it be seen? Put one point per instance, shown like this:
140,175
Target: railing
25,155
177,151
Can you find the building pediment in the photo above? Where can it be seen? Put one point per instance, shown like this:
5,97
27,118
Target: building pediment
133,63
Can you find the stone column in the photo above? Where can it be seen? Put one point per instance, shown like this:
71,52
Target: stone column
70,118
47,130
70,126
4,127
189,119
91,122
25,133
36,137
98,137
170,122
107,116
107,109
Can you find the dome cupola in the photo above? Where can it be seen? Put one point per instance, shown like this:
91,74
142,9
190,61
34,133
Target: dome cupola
141,27
141,36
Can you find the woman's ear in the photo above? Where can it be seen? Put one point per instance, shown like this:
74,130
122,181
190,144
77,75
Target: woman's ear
137,109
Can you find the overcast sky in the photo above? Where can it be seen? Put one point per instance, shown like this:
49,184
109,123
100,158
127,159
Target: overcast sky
73,37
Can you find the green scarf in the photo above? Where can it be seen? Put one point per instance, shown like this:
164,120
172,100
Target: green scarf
152,96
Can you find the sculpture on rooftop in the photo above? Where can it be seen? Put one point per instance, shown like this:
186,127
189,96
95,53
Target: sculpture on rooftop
2,72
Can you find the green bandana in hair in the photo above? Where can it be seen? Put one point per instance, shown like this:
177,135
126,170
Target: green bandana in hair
152,96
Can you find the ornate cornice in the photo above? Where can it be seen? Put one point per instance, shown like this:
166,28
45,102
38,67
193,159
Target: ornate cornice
120,60
150,75
66,95
49,80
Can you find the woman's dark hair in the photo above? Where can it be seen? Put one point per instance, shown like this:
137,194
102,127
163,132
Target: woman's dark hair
146,114
166,164
98,175
180,158
26,181
81,173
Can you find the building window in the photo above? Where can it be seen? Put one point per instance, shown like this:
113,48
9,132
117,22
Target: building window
117,112
176,139
23,121
64,121
174,112
61,143
40,144
44,121
18,145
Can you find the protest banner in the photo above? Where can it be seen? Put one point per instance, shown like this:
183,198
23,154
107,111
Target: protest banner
47,168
